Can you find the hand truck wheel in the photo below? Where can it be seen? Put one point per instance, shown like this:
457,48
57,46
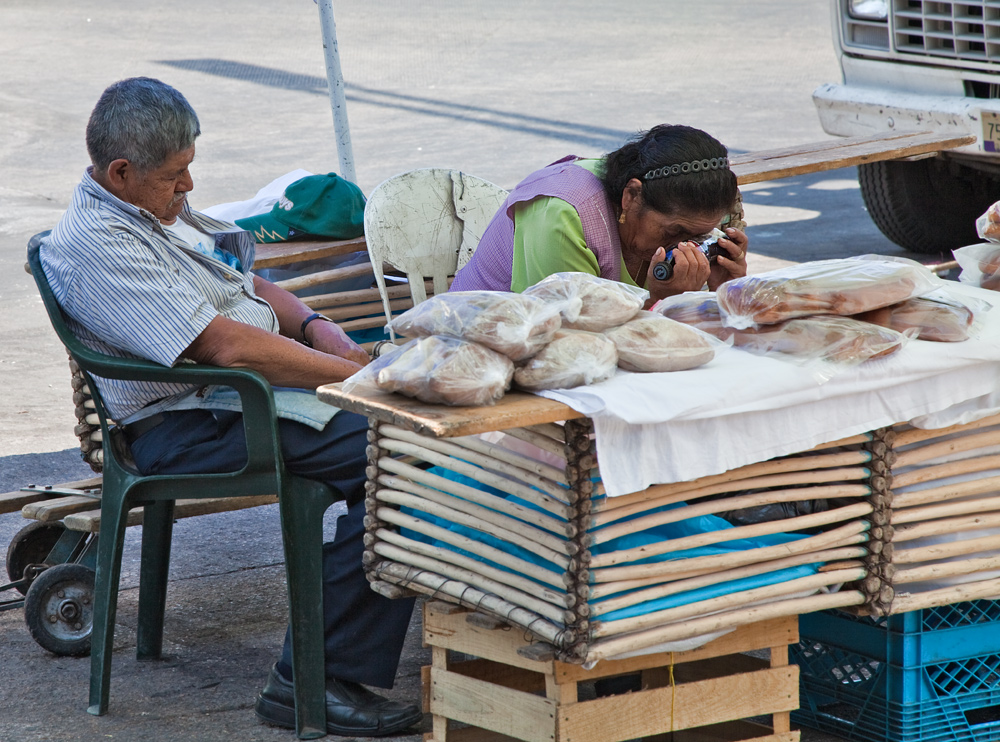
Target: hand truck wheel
31,545
59,609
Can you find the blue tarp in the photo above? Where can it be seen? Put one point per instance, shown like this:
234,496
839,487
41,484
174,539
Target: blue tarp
657,534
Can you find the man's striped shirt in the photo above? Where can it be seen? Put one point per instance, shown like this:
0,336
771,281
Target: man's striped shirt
133,290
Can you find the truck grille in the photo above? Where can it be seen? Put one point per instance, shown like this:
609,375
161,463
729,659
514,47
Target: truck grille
967,30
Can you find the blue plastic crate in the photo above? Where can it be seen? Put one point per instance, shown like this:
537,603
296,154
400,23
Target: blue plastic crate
970,717
927,675
934,652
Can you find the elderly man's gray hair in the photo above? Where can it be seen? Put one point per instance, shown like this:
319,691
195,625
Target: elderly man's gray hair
141,120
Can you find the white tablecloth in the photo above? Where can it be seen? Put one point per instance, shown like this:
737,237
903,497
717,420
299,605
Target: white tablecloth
741,408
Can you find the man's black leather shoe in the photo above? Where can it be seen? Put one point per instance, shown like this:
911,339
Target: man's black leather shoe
351,709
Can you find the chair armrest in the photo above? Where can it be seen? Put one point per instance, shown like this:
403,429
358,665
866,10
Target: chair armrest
255,392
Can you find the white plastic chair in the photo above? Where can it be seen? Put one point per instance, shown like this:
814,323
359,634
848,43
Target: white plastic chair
427,223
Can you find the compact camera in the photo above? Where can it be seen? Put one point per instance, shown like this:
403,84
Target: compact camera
663,271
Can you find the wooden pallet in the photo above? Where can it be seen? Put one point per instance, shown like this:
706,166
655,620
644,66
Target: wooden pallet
504,693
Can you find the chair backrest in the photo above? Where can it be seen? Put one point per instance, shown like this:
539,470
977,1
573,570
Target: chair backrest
88,428
427,223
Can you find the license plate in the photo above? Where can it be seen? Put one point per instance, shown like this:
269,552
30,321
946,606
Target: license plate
991,131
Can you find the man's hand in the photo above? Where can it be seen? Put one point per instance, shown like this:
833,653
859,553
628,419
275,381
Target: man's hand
328,337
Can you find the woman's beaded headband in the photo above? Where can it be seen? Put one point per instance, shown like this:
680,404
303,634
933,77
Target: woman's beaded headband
683,168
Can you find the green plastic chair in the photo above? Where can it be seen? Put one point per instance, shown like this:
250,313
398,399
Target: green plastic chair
301,503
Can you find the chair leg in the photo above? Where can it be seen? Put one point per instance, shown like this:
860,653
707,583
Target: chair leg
111,542
302,506
157,528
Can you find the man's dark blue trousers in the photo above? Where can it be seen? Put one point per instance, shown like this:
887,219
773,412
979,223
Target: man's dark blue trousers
364,631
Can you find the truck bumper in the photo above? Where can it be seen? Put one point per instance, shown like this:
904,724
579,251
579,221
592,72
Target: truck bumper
858,110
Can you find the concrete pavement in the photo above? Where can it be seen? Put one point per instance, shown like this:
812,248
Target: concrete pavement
495,89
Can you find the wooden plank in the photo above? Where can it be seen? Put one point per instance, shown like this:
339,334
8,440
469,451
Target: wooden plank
969,591
499,673
513,410
471,734
682,706
363,324
320,277
58,508
514,713
763,635
372,309
338,298
271,254
11,502
451,631
733,731
661,677
425,689
90,521
831,154
717,667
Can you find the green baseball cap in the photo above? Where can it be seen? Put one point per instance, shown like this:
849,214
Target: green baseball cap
314,206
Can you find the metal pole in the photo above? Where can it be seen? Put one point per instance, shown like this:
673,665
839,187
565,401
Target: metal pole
335,82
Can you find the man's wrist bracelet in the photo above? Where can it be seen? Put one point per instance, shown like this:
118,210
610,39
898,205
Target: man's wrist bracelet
305,323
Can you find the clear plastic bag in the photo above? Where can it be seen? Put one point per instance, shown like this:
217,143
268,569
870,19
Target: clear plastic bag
988,225
980,265
573,358
650,342
938,319
589,302
839,340
845,287
698,309
439,370
513,324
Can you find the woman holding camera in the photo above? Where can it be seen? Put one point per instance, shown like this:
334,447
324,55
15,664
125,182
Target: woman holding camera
617,217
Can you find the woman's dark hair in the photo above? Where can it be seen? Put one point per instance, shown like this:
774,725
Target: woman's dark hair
698,192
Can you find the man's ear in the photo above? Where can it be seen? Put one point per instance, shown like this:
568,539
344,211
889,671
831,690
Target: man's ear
118,174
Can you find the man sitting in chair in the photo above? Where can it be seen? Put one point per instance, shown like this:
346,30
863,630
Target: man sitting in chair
140,274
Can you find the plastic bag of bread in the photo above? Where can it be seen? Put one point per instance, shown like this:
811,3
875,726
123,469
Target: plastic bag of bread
939,319
439,370
980,265
513,324
573,358
845,286
589,302
840,340
650,342
699,309
988,225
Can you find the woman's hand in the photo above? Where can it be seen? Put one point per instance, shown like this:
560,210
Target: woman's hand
735,265
329,338
691,270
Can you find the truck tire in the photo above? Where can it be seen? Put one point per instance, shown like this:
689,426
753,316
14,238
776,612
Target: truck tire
926,206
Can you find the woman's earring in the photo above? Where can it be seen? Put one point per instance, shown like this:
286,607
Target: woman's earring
621,218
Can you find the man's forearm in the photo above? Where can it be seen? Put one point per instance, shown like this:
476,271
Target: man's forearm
289,308
280,360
